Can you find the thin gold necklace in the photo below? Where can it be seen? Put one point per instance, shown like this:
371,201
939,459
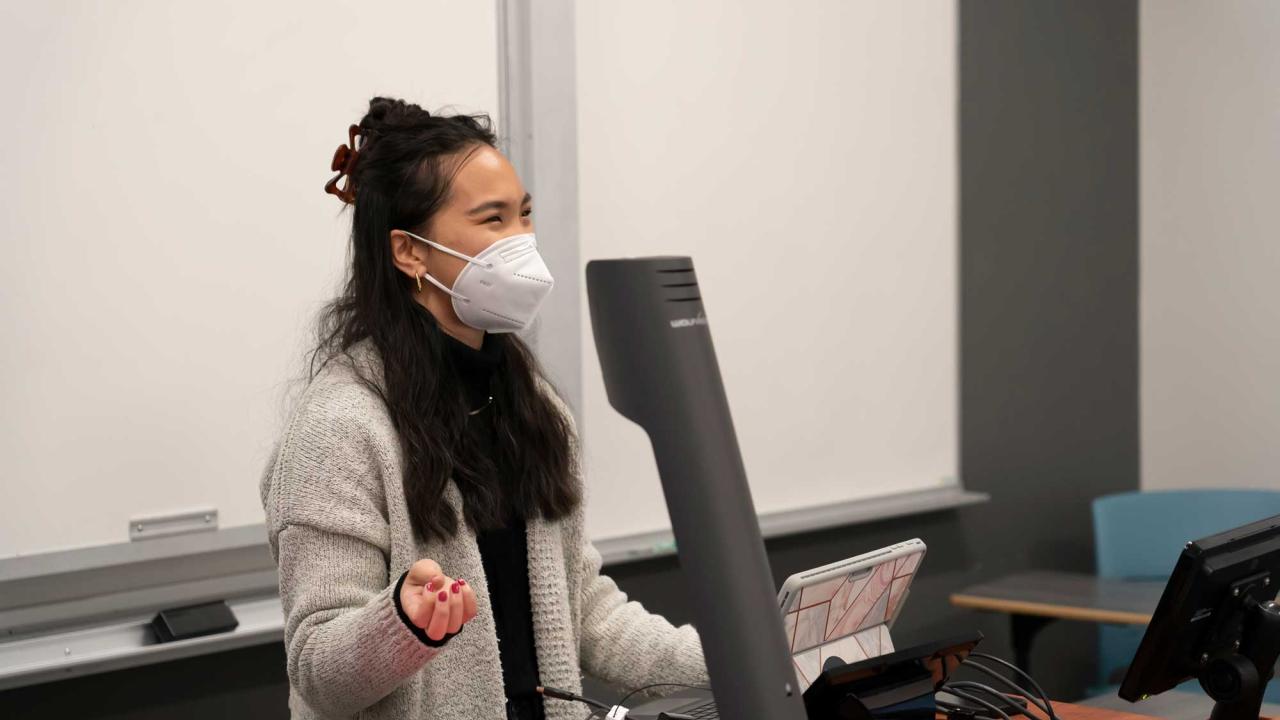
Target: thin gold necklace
486,404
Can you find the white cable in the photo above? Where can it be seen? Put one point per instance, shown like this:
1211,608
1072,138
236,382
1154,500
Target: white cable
618,712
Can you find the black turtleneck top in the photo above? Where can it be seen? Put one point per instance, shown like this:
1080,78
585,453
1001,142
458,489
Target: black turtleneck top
504,551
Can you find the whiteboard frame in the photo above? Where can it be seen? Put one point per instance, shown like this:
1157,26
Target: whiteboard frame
540,131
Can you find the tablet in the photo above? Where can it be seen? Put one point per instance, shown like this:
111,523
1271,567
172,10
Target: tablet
841,613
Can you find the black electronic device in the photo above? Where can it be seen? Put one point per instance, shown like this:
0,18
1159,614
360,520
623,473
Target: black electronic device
194,621
1217,621
899,685
660,371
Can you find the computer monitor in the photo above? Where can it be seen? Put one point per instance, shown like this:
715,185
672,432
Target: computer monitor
660,371
1217,621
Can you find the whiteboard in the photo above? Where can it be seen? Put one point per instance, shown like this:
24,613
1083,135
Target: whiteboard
805,156
168,241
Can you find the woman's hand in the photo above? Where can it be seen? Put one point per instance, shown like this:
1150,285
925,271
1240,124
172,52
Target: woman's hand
436,602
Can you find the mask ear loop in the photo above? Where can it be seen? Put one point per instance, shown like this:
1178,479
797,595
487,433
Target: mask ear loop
455,253
431,279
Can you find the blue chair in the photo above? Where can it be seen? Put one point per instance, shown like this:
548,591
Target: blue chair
1139,535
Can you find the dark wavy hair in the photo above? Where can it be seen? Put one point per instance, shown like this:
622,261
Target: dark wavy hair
401,179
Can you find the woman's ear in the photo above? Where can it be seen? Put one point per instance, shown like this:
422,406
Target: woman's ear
404,253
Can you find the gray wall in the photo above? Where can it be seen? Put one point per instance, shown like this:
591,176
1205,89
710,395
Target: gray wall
1049,360
1049,286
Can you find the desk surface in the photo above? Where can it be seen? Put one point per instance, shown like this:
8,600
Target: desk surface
1172,705
1068,711
1069,596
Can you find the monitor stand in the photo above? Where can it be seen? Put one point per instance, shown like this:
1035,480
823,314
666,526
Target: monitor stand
1236,681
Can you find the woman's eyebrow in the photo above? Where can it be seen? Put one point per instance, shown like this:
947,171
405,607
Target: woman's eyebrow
496,205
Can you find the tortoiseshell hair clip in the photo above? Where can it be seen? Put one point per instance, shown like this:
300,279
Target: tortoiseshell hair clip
344,161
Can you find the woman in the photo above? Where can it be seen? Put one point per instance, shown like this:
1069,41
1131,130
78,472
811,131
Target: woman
423,503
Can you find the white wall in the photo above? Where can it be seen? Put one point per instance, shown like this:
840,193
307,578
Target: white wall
1210,217
804,154
167,239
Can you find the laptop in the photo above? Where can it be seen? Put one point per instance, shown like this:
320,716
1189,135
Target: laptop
833,615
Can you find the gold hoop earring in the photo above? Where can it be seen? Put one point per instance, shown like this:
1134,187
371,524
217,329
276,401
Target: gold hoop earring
419,279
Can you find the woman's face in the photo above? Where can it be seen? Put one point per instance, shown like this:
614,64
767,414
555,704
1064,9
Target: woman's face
486,203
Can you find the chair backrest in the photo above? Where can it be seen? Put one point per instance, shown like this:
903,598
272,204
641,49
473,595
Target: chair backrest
1139,535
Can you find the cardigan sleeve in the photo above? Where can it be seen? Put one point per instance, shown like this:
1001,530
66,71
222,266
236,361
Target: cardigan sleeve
620,641
346,644
625,644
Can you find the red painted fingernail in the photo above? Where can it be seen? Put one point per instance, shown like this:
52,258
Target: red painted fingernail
462,582
455,587
431,584
442,596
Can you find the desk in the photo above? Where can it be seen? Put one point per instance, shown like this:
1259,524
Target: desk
1068,711
1033,600
1171,705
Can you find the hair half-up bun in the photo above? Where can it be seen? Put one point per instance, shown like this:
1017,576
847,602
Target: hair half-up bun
404,147
385,113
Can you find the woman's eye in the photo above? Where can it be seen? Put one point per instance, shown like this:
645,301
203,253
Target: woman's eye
527,212
494,217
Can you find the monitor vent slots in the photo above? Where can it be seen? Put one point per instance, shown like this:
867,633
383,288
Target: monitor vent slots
679,285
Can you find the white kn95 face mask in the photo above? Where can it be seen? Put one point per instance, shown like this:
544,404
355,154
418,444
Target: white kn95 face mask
501,289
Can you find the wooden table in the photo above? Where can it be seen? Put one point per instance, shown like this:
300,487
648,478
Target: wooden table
1171,705
1067,711
1033,600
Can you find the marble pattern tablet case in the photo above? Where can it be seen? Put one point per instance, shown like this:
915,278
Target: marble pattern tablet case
847,617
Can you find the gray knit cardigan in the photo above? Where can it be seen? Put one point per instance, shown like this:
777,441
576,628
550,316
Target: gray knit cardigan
339,530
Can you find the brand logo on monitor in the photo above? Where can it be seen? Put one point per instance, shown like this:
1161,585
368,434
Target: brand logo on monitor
700,319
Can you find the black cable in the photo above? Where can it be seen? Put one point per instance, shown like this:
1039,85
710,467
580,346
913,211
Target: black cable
566,695
969,685
1009,683
1023,674
623,701
963,711
980,701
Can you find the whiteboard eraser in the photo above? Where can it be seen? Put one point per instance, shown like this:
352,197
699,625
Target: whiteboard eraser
194,621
